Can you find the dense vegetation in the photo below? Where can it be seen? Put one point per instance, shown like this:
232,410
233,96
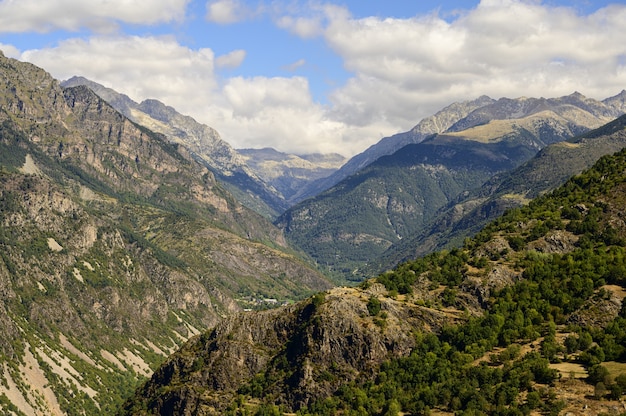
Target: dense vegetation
498,362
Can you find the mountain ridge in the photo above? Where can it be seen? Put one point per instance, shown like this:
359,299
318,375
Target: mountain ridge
116,246
346,226
483,328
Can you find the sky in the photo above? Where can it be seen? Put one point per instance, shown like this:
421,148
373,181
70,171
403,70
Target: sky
322,76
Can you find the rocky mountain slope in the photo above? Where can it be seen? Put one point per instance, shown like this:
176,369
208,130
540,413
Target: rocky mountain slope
262,179
116,246
527,318
397,196
203,141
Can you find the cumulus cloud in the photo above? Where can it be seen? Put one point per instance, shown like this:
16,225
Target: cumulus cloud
98,15
405,69
279,109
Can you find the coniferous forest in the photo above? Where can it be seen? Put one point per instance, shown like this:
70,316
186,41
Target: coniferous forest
499,362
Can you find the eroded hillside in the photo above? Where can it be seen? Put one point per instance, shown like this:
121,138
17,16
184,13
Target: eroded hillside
116,246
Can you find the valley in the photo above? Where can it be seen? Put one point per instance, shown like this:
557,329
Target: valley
471,264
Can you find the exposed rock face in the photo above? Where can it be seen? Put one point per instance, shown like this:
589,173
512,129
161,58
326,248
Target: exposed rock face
321,344
202,141
264,184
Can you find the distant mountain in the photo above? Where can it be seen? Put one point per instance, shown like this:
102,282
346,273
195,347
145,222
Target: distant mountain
116,245
289,173
395,197
205,143
528,317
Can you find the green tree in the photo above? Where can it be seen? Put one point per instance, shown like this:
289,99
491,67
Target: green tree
373,306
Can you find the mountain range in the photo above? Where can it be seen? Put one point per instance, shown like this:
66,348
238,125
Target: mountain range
116,245
262,179
135,243
396,196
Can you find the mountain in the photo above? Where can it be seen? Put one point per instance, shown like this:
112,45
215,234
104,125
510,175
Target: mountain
397,196
289,173
116,245
429,126
550,168
528,317
204,142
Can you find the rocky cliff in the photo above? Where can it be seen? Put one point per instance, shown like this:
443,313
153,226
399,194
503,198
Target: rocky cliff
116,246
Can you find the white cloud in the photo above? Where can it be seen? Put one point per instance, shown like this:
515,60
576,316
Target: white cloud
231,60
98,15
280,113
274,108
10,51
405,69
227,11
142,67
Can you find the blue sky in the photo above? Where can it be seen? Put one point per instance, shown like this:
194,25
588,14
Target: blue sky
322,76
